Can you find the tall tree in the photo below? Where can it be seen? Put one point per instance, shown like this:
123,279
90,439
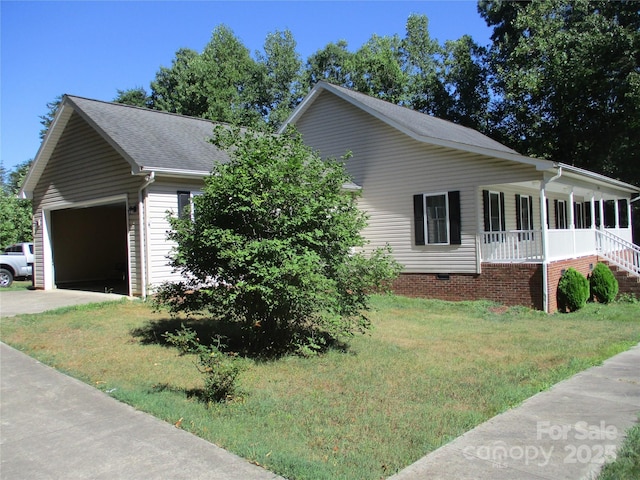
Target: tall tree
47,119
15,213
279,77
377,68
138,97
567,81
332,64
177,89
423,65
465,77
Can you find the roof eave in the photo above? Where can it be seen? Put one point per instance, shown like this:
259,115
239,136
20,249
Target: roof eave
598,178
174,172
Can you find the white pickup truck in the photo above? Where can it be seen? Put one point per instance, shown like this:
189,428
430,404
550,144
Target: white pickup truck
15,262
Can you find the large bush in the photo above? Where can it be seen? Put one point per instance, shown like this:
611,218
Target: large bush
604,286
271,245
573,290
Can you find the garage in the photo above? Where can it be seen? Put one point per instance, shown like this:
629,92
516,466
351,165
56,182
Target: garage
89,247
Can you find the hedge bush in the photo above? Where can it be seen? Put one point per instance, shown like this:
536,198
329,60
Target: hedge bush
573,291
604,286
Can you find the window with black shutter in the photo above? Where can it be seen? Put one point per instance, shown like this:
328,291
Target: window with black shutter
437,218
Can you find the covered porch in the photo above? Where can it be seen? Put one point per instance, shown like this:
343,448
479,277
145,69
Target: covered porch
570,214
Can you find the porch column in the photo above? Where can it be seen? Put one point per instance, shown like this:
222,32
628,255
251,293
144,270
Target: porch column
572,224
601,209
544,238
593,211
616,213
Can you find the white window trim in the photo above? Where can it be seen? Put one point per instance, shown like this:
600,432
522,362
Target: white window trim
426,222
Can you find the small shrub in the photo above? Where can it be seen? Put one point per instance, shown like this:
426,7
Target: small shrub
220,369
604,286
573,291
628,298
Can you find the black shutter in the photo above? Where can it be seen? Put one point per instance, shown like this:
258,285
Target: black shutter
587,215
455,230
502,220
485,207
518,214
555,208
418,218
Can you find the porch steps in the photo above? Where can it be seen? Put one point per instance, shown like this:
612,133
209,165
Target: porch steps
628,283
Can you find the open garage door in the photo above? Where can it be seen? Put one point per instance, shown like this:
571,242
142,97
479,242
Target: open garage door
89,247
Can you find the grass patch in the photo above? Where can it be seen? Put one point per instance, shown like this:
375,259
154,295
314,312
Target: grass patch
17,285
428,372
627,463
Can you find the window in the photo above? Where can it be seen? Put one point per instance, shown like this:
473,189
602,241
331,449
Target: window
524,216
493,207
578,215
610,214
623,213
437,218
184,204
560,207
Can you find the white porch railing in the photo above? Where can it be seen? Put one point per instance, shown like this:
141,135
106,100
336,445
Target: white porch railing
618,251
512,247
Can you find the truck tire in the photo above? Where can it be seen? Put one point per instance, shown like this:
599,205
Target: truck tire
6,278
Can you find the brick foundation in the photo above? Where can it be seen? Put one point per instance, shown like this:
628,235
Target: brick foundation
509,284
555,270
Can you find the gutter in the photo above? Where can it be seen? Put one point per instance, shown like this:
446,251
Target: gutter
545,239
149,179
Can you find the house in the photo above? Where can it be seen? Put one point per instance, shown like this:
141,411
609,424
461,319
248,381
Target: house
466,216
102,183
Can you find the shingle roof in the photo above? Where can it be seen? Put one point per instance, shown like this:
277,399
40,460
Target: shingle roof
416,124
153,139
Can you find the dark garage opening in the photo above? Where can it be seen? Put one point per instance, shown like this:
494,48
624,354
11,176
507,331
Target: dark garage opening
90,248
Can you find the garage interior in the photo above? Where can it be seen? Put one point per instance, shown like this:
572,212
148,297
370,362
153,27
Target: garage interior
89,247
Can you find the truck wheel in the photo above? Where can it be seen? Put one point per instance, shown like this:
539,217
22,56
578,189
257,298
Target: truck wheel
6,278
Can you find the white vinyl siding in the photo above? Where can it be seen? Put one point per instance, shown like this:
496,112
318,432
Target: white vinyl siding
391,168
85,170
162,199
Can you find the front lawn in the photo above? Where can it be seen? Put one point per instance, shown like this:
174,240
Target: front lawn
17,285
426,373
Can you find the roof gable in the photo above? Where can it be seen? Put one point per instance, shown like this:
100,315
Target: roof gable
419,126
150,140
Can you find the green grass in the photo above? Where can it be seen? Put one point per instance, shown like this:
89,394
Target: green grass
427,372
627,463
17,285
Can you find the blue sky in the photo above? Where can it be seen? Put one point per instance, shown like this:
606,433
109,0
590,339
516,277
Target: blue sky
94,48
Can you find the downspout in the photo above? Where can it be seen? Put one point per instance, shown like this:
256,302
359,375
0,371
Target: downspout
142,237
545,239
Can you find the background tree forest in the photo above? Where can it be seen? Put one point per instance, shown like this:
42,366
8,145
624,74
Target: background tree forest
560,80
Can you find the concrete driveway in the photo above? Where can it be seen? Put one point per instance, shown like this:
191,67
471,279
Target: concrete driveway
15,302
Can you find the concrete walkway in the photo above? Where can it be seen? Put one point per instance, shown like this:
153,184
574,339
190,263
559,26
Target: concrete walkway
563,433
55,427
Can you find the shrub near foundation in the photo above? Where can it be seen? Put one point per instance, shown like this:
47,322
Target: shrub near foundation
573,291
604,286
